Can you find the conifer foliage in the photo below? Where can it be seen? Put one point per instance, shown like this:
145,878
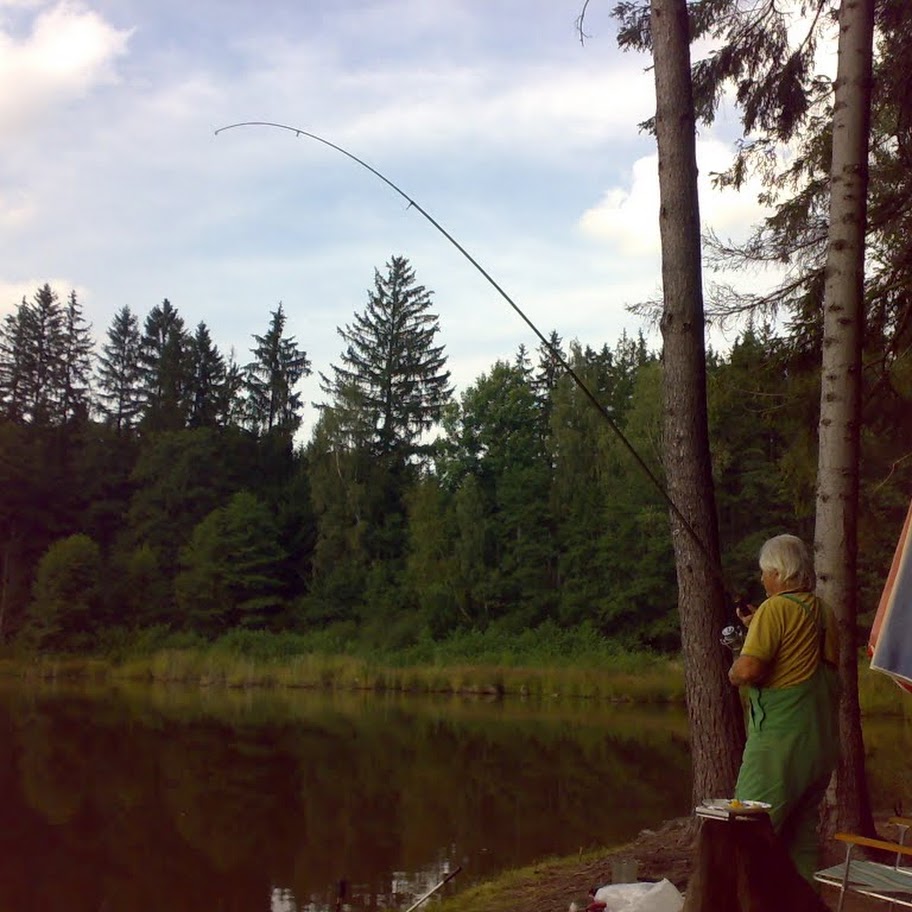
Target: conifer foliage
164,358
119,372
75,368
277,367
391,384
207,380
32,358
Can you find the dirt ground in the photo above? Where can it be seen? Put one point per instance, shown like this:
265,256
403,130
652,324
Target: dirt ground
663,853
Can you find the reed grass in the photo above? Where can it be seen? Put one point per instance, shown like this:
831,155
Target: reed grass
544,663
56,668
541,663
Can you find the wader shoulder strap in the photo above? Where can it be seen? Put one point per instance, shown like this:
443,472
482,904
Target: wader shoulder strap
804,607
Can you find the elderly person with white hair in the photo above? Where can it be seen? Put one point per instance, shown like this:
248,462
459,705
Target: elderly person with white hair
788,663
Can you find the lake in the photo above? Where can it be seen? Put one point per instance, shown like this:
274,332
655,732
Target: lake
154,798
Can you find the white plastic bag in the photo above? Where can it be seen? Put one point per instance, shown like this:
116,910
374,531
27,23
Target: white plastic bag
641,897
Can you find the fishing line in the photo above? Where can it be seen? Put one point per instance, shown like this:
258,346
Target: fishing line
552,350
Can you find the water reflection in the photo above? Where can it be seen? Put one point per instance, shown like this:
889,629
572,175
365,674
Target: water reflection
167,799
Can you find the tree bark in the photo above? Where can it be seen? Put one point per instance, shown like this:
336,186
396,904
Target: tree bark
714,710
4,584
741,866
836,540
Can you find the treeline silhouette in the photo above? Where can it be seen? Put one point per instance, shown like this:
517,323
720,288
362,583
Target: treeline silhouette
155,483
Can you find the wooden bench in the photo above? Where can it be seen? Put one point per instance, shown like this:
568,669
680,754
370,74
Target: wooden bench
889,882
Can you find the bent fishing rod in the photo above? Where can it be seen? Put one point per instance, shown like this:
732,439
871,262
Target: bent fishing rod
551,349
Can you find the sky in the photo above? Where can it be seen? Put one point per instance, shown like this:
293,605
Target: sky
519,139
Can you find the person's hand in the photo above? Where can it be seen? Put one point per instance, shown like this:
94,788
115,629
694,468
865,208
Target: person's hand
745,614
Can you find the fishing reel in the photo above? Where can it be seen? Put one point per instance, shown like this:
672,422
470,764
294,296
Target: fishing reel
734,634
733,637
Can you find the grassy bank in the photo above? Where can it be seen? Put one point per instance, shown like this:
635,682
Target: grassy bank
542,662
512,890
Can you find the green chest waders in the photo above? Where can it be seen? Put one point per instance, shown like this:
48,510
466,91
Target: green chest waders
791,751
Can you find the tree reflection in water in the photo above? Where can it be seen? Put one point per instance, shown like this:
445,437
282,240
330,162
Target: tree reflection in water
153,799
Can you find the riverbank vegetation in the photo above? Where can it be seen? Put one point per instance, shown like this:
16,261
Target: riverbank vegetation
544,662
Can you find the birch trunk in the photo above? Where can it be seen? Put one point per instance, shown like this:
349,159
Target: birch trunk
836,540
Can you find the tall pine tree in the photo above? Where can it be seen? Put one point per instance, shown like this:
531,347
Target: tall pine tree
119,373
272,376
31,358
164,361
14,363
206,380
391,384
75,364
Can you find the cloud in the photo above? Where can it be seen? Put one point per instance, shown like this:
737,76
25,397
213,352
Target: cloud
456,77
68,51
13,293
626,218
500,125
15,210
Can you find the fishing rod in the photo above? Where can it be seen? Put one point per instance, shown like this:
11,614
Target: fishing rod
343,891
433,890
552,349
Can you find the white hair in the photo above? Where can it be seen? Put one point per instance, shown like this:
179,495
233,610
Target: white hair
789,557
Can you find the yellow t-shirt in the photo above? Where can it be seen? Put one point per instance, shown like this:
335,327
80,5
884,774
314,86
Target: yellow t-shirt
787,635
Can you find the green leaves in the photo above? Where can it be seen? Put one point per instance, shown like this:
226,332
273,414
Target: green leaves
66,596
231,569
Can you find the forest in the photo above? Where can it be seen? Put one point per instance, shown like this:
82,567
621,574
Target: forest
149,482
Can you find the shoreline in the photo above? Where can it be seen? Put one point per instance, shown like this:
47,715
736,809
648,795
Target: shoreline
551,884
655,680
667,852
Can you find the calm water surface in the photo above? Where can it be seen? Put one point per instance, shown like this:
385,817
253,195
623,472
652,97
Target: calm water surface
169,799
159,799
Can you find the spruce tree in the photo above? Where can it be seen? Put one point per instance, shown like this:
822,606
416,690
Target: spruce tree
277,368
550,369
31,358
45,340
164,362
75,364
207,377
119,372
231,405
14,363
391,385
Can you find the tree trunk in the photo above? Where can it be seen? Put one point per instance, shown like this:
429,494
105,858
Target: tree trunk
836,542
4,584
714,710
11,582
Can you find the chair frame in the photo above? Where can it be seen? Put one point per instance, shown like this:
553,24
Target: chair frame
891,883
